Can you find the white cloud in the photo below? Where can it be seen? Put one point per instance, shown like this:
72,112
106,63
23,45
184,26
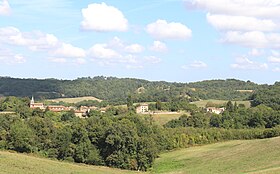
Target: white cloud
245,64
57,60
241,23
39,41
152,59
102,17
8,57
163,30
253,8
273,59
134,48
197,64
134,66
5,8
255,52
68,50
251,23
255,39
101,51
277,69
158,46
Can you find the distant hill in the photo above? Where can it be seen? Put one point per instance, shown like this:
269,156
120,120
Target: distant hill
117,89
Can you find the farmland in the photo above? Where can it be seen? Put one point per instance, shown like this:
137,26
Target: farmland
202,103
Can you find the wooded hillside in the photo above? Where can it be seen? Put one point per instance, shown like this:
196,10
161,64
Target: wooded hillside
117,89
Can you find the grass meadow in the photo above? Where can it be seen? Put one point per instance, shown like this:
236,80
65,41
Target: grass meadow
240,156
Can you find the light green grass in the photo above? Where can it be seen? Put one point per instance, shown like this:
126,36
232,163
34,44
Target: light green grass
74,100
203,103
164,118
241,156
14,163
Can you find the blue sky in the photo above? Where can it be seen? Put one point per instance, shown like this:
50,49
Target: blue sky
171,40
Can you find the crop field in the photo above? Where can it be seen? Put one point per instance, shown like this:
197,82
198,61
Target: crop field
203,103
240,156
74,100
163,118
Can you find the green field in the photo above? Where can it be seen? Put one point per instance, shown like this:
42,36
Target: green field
164,118
246,156
74,100
14,163
203,103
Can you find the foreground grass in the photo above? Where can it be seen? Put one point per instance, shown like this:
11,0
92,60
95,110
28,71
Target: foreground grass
74,100
14,163
203,103
241,156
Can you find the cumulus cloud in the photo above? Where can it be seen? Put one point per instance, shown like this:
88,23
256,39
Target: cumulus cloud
5,8
197,64
255,52
273,59
134,48
255,39
245,64
277,69
152,59
241,23
161,29
253,8
8,57
158,46
252,23
103,52
102,17
39,41
68,50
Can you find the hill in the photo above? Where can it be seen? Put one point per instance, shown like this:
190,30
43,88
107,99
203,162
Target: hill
241,156
12,163
117,89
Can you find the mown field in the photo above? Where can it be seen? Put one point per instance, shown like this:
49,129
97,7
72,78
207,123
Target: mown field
163,118
203,103
14,163
246,156
74,100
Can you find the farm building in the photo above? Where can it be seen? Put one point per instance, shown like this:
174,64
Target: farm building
215,110
142,108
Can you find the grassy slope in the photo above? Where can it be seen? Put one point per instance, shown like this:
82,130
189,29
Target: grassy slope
247,156
203,103
74,100
164,118
14,163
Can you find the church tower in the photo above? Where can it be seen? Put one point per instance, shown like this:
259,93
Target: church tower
32,100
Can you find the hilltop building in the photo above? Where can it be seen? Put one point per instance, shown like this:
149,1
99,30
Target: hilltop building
143,108
215,110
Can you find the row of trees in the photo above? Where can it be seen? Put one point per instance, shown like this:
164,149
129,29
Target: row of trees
127,142
233,118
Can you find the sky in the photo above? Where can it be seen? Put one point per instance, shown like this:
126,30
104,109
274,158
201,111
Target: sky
170,40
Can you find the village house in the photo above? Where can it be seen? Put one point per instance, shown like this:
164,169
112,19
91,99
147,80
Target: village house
59,108
215,110
142,108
